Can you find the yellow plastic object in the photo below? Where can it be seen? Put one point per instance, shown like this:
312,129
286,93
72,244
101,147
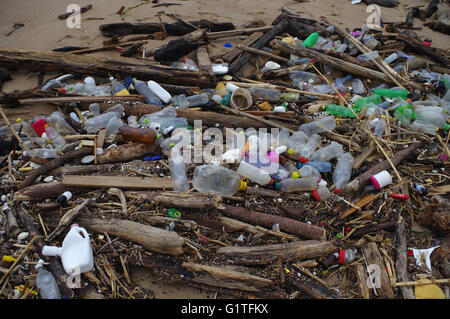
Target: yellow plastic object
220,89
295,175
243,185
429,291
8,259
288,40
265,106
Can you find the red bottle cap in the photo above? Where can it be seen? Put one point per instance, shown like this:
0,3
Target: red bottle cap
337,191
39,126
427,43
341,257
399,196
303,160
316,195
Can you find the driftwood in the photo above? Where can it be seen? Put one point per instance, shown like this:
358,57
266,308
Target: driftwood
68,14
59,62
152,238
261,42
44,191
54,265
127,152
401,262
226,278
436,215
361,276
189,200
267,220
362,180
234,53
60,161
125,182
314,289
374,228
262,255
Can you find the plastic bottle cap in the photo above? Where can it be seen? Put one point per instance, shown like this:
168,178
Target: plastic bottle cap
271,181
18,119
303,160
295,175
381,179
341,257
316,195
290,151
243,185
337,191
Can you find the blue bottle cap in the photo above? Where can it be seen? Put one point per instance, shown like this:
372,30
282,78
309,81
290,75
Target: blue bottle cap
299,165
227,45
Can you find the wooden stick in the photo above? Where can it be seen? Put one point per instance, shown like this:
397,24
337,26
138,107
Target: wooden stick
24,146
233,33
263,53
18,260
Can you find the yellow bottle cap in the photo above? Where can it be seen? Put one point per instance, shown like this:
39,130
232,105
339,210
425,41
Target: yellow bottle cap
18,120
8,259
46,125
295,175
243,185
290,151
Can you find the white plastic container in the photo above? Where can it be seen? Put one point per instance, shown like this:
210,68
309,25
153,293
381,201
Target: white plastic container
254,174
231,87
160,92
76,252
381,179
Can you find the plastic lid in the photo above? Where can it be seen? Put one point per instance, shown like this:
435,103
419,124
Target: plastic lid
337,191
243,185
375,182
295,175
303,159
316,195
185,58
299,165
341,257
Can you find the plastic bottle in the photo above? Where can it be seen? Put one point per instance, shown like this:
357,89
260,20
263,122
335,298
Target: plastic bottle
159,91
76,252
340,82
269,66
56,83
370,42
63,198
48,288
358,86
94,108
325,154
198,99
118,88
297,141
322,193
190,64
254,174
311,145
391,58
57,140
319,126
99,122
290,96
342,257
311,40
41,153
343,171
363,101
296,60
27,129
391,93
322,88
379,128
132,121
275,170
270,95
149,97
217,179
232,156
322,167
219,68
113,126
57,121
178,174
340,110
309,171
368,56
298,184
303,76
141,135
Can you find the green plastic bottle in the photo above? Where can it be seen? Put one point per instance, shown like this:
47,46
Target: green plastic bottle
340,110
311,40
363,101
391,93
405,113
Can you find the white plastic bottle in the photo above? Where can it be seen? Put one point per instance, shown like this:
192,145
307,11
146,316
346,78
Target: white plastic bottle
298,184
254,174
217,179
76,251
343,170
327,153
160,92
48,288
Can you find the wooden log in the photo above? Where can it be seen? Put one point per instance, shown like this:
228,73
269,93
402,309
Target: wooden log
190,200
334,62
363,179
265,254
13,226
127,152
285,71
44,190
60,62
125,182
84,9
373,228
234,33
54,164
361,276
373,256
267,220
234,53
261,42
401,262
262,53
54,266
203,61
152,238
226,278
85,169
314,289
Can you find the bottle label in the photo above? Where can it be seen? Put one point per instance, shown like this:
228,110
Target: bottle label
122,92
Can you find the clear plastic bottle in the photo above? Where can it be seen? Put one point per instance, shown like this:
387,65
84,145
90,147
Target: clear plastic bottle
99,122
56,83
57,121
327,153
48,288
343,171
269,66
94,108
198,99
298,184
365,57
322,167
318,126
391,58
254,174
42,153
180,101
149,97
311,145
27,129
297,141
178,174
132,121
358,86
275,169
303,76
113,126
379,127
322,193
340,82
57,140
190,64
322,89
118,88
270,95
217,179
309,171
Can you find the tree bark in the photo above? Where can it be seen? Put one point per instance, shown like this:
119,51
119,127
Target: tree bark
401,262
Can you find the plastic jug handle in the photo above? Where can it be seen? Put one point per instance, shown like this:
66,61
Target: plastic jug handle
85,233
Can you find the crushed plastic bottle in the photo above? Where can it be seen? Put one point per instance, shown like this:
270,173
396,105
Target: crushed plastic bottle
56,139
297,141
365,57
48,288
343,170
270,95
340,82
94,108
56,83
41,153
269,66
322,167
289,185
217,179
309,171
327,153
324,124
178,174
310,146
322,193
95,124
57,121
358,86
340,110
113,126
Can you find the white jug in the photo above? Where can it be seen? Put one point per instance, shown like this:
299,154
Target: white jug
76,252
